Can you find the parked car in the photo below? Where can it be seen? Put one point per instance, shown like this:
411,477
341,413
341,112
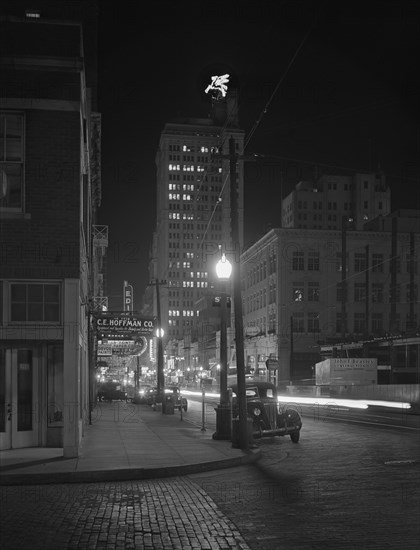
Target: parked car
268,418
110,391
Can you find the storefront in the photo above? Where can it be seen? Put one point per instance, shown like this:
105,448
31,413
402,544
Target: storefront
44,380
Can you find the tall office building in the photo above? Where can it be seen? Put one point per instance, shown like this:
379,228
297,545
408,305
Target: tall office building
193,211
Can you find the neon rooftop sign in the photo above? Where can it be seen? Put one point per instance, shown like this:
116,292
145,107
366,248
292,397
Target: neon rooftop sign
219,84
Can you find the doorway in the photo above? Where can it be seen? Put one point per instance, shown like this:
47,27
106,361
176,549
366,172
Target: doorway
18,398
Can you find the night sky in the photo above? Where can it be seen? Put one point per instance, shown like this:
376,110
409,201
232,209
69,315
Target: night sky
338,80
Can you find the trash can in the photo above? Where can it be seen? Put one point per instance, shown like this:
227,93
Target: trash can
169,404
235,432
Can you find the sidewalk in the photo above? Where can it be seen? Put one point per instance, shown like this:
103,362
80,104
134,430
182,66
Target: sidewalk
125,442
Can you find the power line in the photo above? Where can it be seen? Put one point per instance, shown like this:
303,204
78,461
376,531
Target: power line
326,165
265,109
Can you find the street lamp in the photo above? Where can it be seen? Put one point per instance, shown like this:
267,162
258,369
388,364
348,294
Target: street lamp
160,364
223,412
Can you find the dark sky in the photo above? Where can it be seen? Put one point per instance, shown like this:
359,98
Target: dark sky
339,80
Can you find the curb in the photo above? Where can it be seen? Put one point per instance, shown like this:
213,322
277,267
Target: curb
128,473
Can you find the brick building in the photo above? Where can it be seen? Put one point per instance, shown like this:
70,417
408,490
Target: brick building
50,192
293,297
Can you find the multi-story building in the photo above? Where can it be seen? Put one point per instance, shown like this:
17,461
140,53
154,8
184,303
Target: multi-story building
50,192
193,212
296,294
360,197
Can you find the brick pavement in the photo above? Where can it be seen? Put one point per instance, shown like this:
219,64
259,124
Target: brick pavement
174,513
342,487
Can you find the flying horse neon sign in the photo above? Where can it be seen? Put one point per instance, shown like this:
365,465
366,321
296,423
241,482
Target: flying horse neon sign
218,84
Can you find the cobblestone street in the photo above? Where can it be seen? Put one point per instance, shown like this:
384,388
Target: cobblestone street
163,514
343,486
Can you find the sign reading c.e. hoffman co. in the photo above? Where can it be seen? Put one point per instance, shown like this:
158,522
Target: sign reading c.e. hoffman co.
116,324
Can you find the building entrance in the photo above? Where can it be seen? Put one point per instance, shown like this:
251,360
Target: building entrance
18,398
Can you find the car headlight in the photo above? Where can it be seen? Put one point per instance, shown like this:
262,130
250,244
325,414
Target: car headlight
256,411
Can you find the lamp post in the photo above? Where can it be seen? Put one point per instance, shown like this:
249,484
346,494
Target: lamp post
223,411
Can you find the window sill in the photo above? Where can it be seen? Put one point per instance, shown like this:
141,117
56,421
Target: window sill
5,215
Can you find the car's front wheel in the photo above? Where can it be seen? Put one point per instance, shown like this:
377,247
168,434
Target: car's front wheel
295,436
185,407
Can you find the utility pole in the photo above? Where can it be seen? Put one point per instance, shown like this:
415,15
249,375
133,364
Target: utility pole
237,299
343,277
160,375
367,285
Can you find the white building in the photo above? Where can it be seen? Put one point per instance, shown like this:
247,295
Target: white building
292,293
361,197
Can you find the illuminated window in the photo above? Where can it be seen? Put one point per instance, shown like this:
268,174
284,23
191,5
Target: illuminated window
297,292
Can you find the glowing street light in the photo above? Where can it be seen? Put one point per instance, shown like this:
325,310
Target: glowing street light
223,412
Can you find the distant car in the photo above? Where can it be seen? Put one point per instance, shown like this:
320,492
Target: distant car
174,391
150,395
131,393
141,395
179,400
111,391
268,419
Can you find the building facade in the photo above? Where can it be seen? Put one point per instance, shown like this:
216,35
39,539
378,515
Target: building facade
321,205
295,295
50,268
193,215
